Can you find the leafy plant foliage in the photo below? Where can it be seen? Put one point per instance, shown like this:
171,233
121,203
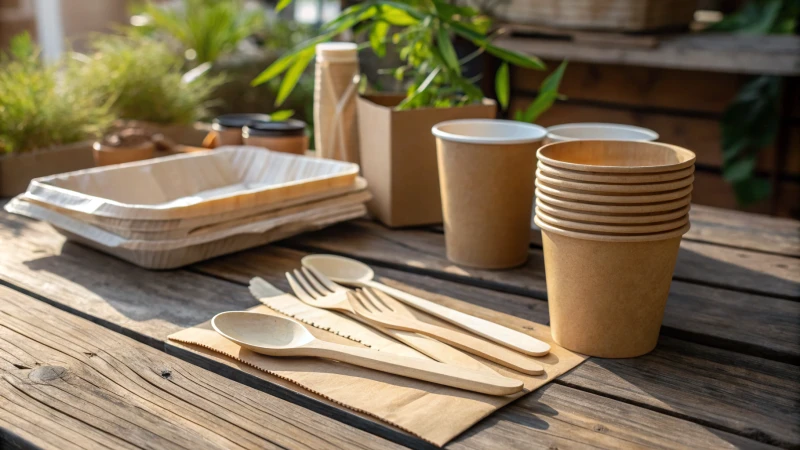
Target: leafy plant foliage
423,30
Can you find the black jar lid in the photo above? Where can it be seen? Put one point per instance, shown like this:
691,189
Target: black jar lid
290,127
239,120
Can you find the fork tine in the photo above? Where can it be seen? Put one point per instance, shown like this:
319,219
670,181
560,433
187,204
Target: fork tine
375,301
325,280
303,282
298,290
313,281
357,303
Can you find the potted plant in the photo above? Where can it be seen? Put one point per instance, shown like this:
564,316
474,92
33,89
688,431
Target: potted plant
47,118
398,152
144,84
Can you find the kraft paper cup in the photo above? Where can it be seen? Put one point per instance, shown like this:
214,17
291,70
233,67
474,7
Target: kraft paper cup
571,194
612,208
598,177
486,174
616,157
628,219
602,131
602,188
612,228
607,294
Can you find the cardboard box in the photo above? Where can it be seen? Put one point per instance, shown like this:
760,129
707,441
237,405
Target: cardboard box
398,157
18,169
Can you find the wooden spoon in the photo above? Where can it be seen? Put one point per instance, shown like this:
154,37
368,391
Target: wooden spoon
277,336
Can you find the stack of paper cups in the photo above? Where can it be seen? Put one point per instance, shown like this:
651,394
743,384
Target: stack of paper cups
612,214
335,91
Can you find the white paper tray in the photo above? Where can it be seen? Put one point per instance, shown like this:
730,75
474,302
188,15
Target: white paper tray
170,254
192,185
151,230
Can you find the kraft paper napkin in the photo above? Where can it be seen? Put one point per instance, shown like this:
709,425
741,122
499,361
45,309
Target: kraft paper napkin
431,412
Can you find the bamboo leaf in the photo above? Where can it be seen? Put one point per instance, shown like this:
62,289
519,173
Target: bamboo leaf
282,4
502,85
281,115
447,50
377,38
293,75
274,69
397,17
548,93
518,59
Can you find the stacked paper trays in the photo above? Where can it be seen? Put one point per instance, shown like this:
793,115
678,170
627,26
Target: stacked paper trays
169,212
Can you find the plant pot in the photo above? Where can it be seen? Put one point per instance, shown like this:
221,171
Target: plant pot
623,228
614,208
486,174
597,177
583,216
607,294
398,157
570,194
18,169
616,157
606,188
106,155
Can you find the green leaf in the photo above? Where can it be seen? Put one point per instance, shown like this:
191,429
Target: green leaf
397,17
282,4
281,115
548,93
751,190
518,59
275,69
377,38
447,50
502,85
293,75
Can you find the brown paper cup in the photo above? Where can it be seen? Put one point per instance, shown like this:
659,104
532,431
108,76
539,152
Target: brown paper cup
606,188
572,194
618,157
607,295
571,214
615,228
599,177
612,208
486,171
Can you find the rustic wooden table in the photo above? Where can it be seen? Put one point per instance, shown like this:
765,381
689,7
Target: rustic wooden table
85,362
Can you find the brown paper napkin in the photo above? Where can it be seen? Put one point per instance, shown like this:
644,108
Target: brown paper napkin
431,412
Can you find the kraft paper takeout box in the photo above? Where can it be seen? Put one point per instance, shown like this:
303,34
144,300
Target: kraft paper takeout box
607,293
398,157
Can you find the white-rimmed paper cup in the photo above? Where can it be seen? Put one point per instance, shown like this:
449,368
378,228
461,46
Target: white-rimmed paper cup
486,171
598,131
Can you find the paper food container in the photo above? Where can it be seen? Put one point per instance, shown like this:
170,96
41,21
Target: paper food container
192,185
583,216
617,157
170,254
612,208
607,294
608,188
180,228
604,131
571,194
599,177
596,227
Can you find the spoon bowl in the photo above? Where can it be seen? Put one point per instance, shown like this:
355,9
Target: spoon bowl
340,269
278,336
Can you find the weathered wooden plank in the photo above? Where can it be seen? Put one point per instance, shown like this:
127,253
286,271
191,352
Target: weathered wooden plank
570,419
743,230
764,325
89,282
720,52
85,385
748,395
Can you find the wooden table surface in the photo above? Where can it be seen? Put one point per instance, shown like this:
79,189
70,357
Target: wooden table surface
85,362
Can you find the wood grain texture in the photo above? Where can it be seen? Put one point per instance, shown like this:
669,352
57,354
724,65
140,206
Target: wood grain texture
67,382
753,399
